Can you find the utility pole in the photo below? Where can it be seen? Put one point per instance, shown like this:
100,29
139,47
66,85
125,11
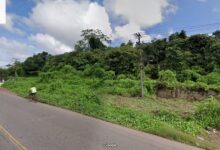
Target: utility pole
138,35
15,66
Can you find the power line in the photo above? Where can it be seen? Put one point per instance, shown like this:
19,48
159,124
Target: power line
187,27
190,30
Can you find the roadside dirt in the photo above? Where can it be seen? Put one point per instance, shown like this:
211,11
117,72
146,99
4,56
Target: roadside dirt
7,91
216,139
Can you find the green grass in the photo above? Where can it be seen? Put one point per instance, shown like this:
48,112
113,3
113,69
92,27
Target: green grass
208,113
152,103
115,101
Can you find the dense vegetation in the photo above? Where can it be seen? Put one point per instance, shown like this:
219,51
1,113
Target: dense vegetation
193,61
95,78
199,54
116,101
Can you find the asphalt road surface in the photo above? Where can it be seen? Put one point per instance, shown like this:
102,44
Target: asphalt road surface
26,125
6,144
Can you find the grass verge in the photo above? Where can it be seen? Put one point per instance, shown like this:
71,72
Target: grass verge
91,97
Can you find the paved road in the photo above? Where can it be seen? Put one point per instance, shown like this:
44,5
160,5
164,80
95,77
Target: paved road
6,144
38,126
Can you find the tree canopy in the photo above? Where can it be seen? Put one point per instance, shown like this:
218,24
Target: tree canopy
178,52
92,39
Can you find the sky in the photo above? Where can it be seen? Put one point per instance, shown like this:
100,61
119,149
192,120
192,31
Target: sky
33,26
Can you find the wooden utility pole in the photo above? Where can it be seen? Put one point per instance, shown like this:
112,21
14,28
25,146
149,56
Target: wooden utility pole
15,66
138,35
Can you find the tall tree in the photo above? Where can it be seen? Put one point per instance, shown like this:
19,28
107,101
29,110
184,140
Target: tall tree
217,34
33,65
124,60
181,34
3,74
92,39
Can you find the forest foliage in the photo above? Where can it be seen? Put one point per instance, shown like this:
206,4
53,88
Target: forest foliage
191,62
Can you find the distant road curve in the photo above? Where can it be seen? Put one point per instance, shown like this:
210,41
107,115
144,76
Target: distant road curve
42,127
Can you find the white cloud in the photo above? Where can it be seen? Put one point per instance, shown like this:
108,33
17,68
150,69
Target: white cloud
171,31
202,0
122,31
139,14
10,49
216,10
64,19
127,31
49,43
158,36
10,24
97,18
145,13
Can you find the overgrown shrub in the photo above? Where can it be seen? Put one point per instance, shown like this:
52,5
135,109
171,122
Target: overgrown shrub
167,79
68,69
198,70
126,83
123,87
188,84
88,70
110,75
150,86
208,113
135,91
152,71
132,77
195,86
121,76
47,76
189,75
56,85
200,86
215,88
167,76
94,71
98,72
212,78
147,71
